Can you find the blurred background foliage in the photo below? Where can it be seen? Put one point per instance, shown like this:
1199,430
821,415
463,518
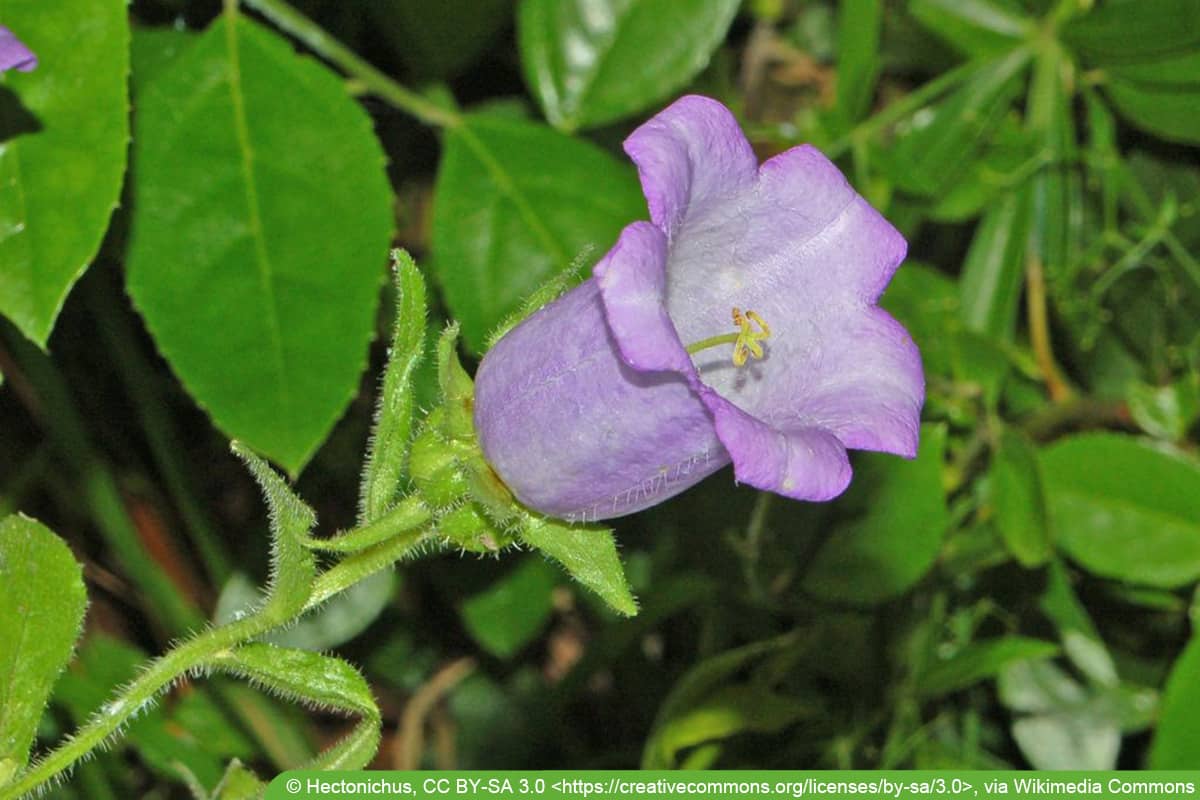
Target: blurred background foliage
1019,595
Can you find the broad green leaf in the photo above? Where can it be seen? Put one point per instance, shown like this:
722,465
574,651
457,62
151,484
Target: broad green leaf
1132,32
64,129
703,681
261,219
979,661
859,26
387,452
588,554
894,542
1177,739
42,602
595,61
1019,501
974,27
335,622
938,144
1124,509
510,613
516,203
293,567
994,270
1166,110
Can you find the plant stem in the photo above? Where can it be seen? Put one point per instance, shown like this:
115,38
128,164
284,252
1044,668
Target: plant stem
320,42
409,513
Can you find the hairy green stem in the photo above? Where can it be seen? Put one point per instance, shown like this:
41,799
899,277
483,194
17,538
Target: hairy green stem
320,42
408,514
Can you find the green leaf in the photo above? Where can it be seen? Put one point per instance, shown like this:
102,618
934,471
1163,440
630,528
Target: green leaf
994,270
387,452
859,26
938,145
293,567
1132,32
1123,509
1020,504
588,554
1177,739
515,203
42,602
896,539
979,661
1166,110
595,61
256,260
239,783
727,712
1167,412
974,27
438,38
64,129
511,612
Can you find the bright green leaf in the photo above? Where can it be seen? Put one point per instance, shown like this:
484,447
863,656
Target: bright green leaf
511,612
516,203
1167,412
893,544
981,660
588,554
64,129
261,218
1124,509
239,783
1020,504
293,567
42,602
1177,739
859,25
595,61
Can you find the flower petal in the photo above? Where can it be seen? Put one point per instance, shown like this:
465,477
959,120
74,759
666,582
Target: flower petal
804,463
691,157
633,285
14,54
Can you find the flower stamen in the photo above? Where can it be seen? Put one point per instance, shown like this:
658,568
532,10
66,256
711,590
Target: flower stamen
746,342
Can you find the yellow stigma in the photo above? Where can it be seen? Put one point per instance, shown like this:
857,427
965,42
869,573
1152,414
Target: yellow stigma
745,342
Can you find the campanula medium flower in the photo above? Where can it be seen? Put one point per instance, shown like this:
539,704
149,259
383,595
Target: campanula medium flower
14,54
739,325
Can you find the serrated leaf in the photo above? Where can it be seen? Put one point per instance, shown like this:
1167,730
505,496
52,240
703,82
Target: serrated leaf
588,554
1124,509
1177,739
516,202
894,542
512,611
595,61
42,602
261,218
1019,501
64,129
293,567
387,452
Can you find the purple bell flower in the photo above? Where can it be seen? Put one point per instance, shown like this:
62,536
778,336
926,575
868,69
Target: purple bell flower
634,385
14,54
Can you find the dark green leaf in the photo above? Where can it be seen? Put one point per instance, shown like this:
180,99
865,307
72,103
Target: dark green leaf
1177,740
42,602
891,546
588,554
387,452
595,61
1168,110
1124,509
293,567
511,612
439,38
937,146
1132,31
975,27
1020,504
516,202
257,266
981,660
994,269
64,129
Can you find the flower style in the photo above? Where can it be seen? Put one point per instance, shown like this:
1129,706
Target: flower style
14,54
596,407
